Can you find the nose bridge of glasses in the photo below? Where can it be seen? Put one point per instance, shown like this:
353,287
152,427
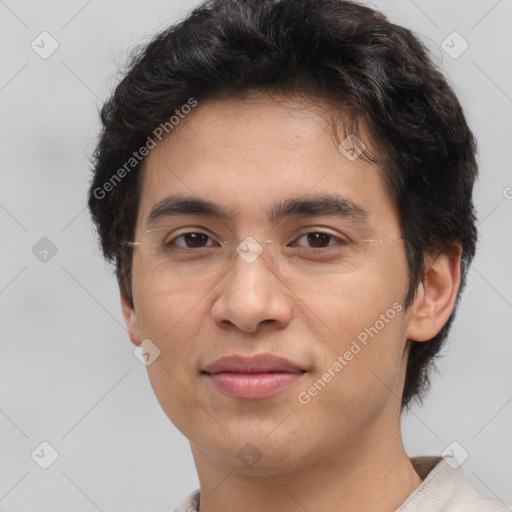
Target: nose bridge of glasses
249,249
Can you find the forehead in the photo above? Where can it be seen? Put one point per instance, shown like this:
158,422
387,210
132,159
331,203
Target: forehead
248,155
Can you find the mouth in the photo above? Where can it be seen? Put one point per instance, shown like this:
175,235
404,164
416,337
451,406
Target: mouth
252,378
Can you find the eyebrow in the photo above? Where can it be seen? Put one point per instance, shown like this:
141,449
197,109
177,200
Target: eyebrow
330,204
308,206
181,205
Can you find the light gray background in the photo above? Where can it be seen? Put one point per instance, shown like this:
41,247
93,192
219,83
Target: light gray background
68,375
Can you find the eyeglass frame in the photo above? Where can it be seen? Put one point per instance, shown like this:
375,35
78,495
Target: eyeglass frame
274,257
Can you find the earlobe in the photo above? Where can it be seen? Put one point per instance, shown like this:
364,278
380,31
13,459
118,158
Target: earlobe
130,319
436,296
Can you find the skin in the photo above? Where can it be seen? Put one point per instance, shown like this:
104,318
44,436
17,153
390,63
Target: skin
343,450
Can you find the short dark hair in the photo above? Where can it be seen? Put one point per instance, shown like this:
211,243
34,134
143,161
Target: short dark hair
340,52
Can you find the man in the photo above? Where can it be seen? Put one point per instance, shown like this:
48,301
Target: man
286,191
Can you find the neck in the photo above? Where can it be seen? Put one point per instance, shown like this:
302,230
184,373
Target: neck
378,476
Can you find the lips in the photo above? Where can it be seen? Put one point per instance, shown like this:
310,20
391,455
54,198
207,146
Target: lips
252,378
264,363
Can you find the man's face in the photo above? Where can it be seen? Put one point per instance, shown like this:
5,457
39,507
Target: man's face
249,157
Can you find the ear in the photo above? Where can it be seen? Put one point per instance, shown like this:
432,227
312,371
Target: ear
130,319
436,295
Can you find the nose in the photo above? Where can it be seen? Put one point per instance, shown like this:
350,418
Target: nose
252,296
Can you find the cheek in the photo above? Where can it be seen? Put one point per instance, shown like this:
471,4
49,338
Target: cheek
174,320
363,319
360,375
164,309
343,306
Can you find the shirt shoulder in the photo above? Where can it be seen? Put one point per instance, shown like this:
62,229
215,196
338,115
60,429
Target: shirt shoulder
191,503
445,488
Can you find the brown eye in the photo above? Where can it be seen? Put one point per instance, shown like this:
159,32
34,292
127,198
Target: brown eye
191,240
318,239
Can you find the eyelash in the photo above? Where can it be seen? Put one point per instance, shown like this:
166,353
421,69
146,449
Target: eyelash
341,241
